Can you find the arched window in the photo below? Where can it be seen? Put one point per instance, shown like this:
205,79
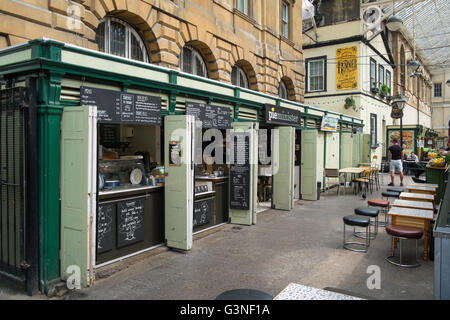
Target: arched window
402,70
238,77
282,90
192,62
117,37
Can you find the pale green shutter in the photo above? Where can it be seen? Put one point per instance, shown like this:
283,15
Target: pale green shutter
283,168
309,165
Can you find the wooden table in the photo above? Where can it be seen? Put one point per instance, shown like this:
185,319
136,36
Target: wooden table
413,204
295,291
432,185
417,218
352,171
417,197
421,189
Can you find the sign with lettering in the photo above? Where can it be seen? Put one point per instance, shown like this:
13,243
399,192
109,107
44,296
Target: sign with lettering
240,172
282,116
329,123
210,116
130,222
104,227
202,212
121,107
347,68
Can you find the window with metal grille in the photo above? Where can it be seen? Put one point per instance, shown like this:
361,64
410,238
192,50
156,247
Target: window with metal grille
316,69
117,37
192,62
438,90
282,90
238,77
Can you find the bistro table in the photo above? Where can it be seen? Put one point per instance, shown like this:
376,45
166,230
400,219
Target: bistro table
413,204
353,172
431,185
417,197
295,291
409,217
421,189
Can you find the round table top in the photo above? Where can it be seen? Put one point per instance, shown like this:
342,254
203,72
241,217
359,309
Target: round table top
244,294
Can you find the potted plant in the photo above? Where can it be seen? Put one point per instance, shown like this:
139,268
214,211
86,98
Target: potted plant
350,102
388,96
383,90
374,88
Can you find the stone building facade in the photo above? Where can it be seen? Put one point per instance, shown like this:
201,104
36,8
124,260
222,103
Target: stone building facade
261,38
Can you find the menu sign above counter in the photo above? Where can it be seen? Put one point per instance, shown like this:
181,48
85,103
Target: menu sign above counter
210,116
282,116
121,107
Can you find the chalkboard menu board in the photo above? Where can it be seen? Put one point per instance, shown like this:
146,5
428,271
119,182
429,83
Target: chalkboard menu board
130,222
210,116
109,135
120,107
240,172
105,216
202,212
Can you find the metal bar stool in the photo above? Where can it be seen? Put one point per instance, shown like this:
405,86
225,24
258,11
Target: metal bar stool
402,233
370,213
357,221
384,206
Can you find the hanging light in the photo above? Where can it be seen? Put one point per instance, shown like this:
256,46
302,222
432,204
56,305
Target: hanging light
448,83
399,102
414,65
394,23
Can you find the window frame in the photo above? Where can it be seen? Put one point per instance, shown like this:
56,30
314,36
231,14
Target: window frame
240,72
130,32
381,78
282,86
389,85
247,6
308,82
283,23
435,86
194,54
373,130
373,63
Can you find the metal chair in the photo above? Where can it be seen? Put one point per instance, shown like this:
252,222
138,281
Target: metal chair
333,174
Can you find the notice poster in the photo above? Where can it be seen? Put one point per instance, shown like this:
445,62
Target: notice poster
240,172
408,139
347,68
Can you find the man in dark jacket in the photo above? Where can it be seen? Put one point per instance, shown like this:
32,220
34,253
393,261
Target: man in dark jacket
395,158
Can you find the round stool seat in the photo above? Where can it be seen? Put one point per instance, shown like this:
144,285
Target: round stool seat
390,194
395,190
368,212
244,294
358,221
378,203
404,232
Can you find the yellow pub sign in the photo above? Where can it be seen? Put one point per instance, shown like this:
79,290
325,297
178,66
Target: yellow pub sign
347,68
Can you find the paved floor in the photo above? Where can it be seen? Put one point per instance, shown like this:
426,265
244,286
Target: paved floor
302,246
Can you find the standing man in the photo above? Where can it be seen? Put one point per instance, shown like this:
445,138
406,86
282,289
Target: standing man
395,158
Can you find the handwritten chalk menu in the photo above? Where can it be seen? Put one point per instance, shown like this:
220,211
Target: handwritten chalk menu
130,222
202,212
120,107
210,116
109,135
105,227
240,172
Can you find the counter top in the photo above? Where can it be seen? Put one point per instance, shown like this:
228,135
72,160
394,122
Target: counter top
127,191
205,194
211,178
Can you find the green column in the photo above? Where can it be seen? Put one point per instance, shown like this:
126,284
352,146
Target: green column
49,118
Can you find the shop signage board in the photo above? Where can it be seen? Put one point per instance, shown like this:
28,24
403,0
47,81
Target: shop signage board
202,212
240,172
347,68
122,107
329,124
211,116
282,116
105,216
130,222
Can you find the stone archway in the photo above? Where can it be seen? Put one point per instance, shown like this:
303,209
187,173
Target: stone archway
250,73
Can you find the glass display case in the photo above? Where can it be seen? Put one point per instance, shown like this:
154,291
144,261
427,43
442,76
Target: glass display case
121,174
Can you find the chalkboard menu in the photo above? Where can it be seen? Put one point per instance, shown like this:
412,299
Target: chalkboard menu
202,212
130,222
120,107
210,116
104,227
240,172
109,135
